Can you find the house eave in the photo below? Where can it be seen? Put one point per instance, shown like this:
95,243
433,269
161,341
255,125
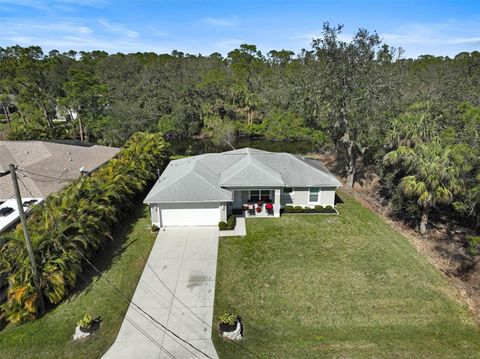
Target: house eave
190,201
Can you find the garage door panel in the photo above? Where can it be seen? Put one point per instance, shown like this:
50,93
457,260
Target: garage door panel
202,216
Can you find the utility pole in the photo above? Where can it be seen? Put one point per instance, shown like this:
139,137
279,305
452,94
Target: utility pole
28,242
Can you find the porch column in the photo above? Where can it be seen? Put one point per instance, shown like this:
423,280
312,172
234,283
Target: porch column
276,203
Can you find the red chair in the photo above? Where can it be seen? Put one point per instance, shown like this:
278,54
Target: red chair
269,208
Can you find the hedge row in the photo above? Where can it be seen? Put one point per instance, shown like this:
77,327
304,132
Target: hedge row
316,209
228,225
76,222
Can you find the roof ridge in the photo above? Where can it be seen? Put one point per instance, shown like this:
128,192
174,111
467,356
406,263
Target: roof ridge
234,164
273,169
208,169
217,189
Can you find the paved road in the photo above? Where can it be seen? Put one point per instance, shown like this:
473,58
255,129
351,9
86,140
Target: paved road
176,288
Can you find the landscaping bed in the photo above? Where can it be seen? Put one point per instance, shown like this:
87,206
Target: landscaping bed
337,286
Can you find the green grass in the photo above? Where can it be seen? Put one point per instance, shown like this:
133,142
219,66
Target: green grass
347,286
51,336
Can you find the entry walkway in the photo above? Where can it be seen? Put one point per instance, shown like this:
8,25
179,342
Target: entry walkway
177,289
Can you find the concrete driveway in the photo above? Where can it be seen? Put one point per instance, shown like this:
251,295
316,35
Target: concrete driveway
177,288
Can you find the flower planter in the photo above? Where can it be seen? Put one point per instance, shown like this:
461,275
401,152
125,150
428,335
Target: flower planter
85,332
232,332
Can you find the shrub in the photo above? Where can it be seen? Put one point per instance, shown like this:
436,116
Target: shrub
222,226
319,209
473,245
289,209
85,322
75,223
231,222
228,318
329,209
298,209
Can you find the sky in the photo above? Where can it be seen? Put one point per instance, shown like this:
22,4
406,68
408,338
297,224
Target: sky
440,27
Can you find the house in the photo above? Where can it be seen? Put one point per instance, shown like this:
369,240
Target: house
46,167
205,189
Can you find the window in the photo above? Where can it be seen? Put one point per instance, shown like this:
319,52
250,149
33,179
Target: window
265,195
314,194
254,195
287,190
257,195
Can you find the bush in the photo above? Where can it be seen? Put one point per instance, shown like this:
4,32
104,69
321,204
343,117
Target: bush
228,318
75,223
289,209
86,322
222,226
231,222
316,209
228,225
329,209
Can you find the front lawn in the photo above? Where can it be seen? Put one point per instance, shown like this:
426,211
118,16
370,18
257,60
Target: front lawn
51,336
347,286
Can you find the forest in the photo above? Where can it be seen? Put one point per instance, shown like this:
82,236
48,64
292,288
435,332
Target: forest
415,123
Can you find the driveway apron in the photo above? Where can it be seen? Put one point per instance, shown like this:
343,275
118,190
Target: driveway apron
177,289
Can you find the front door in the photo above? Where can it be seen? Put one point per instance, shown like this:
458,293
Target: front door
237,199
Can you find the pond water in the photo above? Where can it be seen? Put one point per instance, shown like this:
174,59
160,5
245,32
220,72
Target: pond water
199,146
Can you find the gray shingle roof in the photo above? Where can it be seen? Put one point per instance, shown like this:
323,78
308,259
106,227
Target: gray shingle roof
46,167
207,178
187,180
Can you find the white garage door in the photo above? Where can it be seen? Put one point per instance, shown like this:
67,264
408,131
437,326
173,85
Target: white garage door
206,214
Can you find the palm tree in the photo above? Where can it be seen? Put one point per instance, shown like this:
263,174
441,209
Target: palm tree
432,178
74,223
416,125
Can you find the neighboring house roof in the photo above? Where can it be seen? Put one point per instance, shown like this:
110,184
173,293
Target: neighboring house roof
207,178
46,167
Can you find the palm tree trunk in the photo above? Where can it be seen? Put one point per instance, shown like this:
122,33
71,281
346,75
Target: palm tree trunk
47,117
22,116
7,113
80,127
424,221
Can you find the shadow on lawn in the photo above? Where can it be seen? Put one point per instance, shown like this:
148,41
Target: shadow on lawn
108,254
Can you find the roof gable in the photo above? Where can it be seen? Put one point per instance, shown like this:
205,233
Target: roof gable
250,172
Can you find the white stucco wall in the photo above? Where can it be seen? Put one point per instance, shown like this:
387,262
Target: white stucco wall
223,212
300,197
327,196
154,213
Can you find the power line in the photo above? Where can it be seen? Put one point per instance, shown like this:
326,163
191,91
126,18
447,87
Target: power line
137,326
42,175
56,180
137,306
28,190
185,306
191,311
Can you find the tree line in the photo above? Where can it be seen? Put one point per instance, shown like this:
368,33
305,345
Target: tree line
414,121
